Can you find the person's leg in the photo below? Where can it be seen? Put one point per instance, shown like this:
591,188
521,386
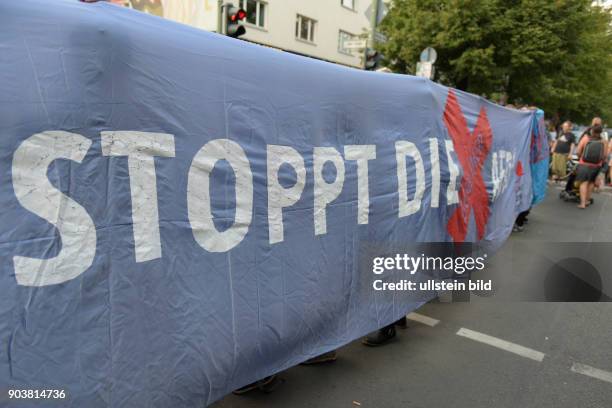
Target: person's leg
563,166
553,167
598,183
584,190
518,223
520,219
380,337
569,186
590,190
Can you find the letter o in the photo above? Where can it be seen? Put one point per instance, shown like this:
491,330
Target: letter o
198,195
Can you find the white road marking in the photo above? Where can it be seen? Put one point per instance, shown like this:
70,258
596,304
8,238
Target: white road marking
429,321
502,344
592,372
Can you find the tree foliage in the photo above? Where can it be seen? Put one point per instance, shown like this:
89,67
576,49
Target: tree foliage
556,54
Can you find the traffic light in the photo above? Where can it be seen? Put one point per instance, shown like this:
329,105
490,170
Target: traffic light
233,16
372,58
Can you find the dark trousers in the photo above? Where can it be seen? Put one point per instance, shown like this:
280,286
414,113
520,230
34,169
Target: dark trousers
520,220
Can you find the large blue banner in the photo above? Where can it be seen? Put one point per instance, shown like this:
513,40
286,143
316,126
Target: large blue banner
184,213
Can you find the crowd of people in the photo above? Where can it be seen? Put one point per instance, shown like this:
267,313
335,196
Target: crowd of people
593,152
582,160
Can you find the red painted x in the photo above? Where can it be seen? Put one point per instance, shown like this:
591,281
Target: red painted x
472,150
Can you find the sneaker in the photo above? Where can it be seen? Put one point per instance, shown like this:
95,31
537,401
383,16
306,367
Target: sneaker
517,228
328,357
380,337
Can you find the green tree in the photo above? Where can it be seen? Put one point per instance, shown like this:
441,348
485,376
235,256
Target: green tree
556,54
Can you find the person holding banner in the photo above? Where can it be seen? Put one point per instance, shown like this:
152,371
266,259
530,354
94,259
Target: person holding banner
384,335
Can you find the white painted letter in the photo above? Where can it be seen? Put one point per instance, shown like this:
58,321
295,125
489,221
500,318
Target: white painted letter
198,195
278,196
362,153
495,174
403,149
451,192
140,148
435,172
35,193
324,192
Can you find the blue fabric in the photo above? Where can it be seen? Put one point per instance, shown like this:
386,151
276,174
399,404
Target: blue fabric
189,326
540,158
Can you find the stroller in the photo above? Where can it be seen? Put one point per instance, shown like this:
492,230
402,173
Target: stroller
572,188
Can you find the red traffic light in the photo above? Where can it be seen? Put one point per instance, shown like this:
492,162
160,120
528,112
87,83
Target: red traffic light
233,16
238,15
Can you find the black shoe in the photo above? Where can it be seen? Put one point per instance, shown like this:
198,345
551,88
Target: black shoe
328,357
402,323
268,384
380,337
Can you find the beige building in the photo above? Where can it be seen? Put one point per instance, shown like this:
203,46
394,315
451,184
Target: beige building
315,28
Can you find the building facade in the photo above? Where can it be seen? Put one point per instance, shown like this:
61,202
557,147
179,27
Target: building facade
316,28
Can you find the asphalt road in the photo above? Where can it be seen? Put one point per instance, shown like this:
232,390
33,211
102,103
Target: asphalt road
537,354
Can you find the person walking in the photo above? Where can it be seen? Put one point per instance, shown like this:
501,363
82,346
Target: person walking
596,121
561,149
592,151
610,163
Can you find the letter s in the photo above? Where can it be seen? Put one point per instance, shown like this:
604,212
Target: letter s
35,193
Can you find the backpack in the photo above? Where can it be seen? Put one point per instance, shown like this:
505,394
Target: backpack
593,152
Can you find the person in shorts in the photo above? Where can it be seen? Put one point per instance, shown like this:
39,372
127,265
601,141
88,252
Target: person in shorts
592,151
561,149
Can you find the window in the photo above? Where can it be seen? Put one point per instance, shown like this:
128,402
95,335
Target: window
350,4
305,28
342,37
256,12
